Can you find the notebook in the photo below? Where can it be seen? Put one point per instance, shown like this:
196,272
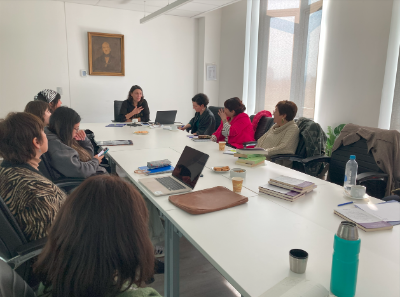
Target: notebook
252,151
282,193
294,184
160,170
388,212
207,200
362,219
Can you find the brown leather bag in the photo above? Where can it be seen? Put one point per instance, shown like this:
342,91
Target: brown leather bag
207,200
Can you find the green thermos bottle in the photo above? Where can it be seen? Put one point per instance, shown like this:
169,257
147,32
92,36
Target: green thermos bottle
346,247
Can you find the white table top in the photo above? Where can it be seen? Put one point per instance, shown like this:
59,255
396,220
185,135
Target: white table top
249,244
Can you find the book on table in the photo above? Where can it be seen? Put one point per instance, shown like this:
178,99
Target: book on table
282,193
291,183
388,211
160,170
365,221
252,151
251,161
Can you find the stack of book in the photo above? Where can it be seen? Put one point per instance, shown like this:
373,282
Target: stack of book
250,157
287,188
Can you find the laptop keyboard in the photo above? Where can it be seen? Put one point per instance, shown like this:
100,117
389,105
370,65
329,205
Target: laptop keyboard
170,183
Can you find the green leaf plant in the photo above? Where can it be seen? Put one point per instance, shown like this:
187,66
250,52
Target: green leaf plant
332,135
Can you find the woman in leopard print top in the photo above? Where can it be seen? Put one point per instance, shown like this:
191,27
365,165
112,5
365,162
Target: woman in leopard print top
32,199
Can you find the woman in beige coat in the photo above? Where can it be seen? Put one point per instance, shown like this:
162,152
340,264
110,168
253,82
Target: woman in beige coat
283,137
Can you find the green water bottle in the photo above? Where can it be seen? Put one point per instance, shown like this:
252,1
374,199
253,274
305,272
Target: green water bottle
346,247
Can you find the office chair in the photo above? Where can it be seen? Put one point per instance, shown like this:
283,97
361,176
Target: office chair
11,284
214,110
117,109
14,247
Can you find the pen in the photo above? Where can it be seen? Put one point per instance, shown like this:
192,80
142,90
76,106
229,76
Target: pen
345,203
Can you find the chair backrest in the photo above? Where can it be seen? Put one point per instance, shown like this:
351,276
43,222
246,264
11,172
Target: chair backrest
214,110
11,235
11,284
339,158
263,126
117,109
45,168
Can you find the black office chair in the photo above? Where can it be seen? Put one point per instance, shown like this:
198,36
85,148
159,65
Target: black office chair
66,183
117,109
14,247
263,126
369,174
214,110
11,284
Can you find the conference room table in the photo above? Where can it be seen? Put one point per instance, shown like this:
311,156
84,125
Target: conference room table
249,244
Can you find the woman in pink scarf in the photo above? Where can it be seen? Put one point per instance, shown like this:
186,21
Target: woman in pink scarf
235,127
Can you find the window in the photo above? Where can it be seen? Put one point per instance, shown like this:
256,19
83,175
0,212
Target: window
395,119
288,42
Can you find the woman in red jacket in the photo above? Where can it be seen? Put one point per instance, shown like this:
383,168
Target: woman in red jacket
235,127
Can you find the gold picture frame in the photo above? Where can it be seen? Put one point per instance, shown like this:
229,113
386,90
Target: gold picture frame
106,54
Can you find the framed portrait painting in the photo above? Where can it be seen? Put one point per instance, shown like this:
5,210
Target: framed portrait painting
106,54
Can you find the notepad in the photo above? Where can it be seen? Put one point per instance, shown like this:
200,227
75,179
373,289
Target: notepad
362,219
388,212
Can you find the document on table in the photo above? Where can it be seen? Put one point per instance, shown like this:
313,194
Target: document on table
388,212
359,216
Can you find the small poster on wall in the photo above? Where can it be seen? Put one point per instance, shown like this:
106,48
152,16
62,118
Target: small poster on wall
106,54
211,72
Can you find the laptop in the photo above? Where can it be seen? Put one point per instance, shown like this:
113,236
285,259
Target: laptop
166,117
184,177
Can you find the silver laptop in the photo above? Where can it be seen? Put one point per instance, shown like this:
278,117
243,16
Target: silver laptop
184,177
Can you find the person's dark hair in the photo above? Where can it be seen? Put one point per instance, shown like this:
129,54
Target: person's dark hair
201,99
135,87
52,104
38,108
288,108
98,242
235,104
17,132
62,123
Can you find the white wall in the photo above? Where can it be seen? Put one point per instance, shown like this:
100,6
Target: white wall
160,56
233,33
352,61
391,69
209,37
33,51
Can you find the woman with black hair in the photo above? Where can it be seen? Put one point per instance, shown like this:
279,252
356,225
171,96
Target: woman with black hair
70,152
235,126
51,97
135,107
203,122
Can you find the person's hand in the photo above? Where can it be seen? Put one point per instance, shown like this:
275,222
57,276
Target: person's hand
99,158
80,135
182,127
137,110
222,115
194,134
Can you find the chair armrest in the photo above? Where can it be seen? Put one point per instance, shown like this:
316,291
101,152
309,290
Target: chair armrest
362,177
26,252
31,246
286,157
248,143
68,182
316,159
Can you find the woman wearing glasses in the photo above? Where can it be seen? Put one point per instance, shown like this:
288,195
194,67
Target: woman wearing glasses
70,152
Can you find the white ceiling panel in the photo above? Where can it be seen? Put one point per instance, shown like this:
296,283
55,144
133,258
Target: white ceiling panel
214,2
182,13
199,7
88,2
128,6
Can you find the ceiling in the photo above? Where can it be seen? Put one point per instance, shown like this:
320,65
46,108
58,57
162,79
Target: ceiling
195,8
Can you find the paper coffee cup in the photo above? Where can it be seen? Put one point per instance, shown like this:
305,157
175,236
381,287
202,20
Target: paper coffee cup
222,145
237,183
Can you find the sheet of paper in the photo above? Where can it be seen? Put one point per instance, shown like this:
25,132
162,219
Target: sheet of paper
388,212
357,215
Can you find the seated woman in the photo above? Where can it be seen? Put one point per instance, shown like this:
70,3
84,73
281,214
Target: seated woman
283,137
51,97
235,126
203,122
135,107
39,109
70,151
32,199
99,243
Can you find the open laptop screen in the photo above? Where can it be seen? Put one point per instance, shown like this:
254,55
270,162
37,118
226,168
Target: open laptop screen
190,166
166,117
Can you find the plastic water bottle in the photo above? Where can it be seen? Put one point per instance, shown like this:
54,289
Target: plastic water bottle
346,248
350,175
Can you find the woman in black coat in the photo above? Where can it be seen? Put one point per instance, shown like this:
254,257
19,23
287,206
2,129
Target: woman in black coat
135,107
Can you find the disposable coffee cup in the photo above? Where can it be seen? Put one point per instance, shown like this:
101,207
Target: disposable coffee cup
298,260
135,120
222,145
237,183
357,191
